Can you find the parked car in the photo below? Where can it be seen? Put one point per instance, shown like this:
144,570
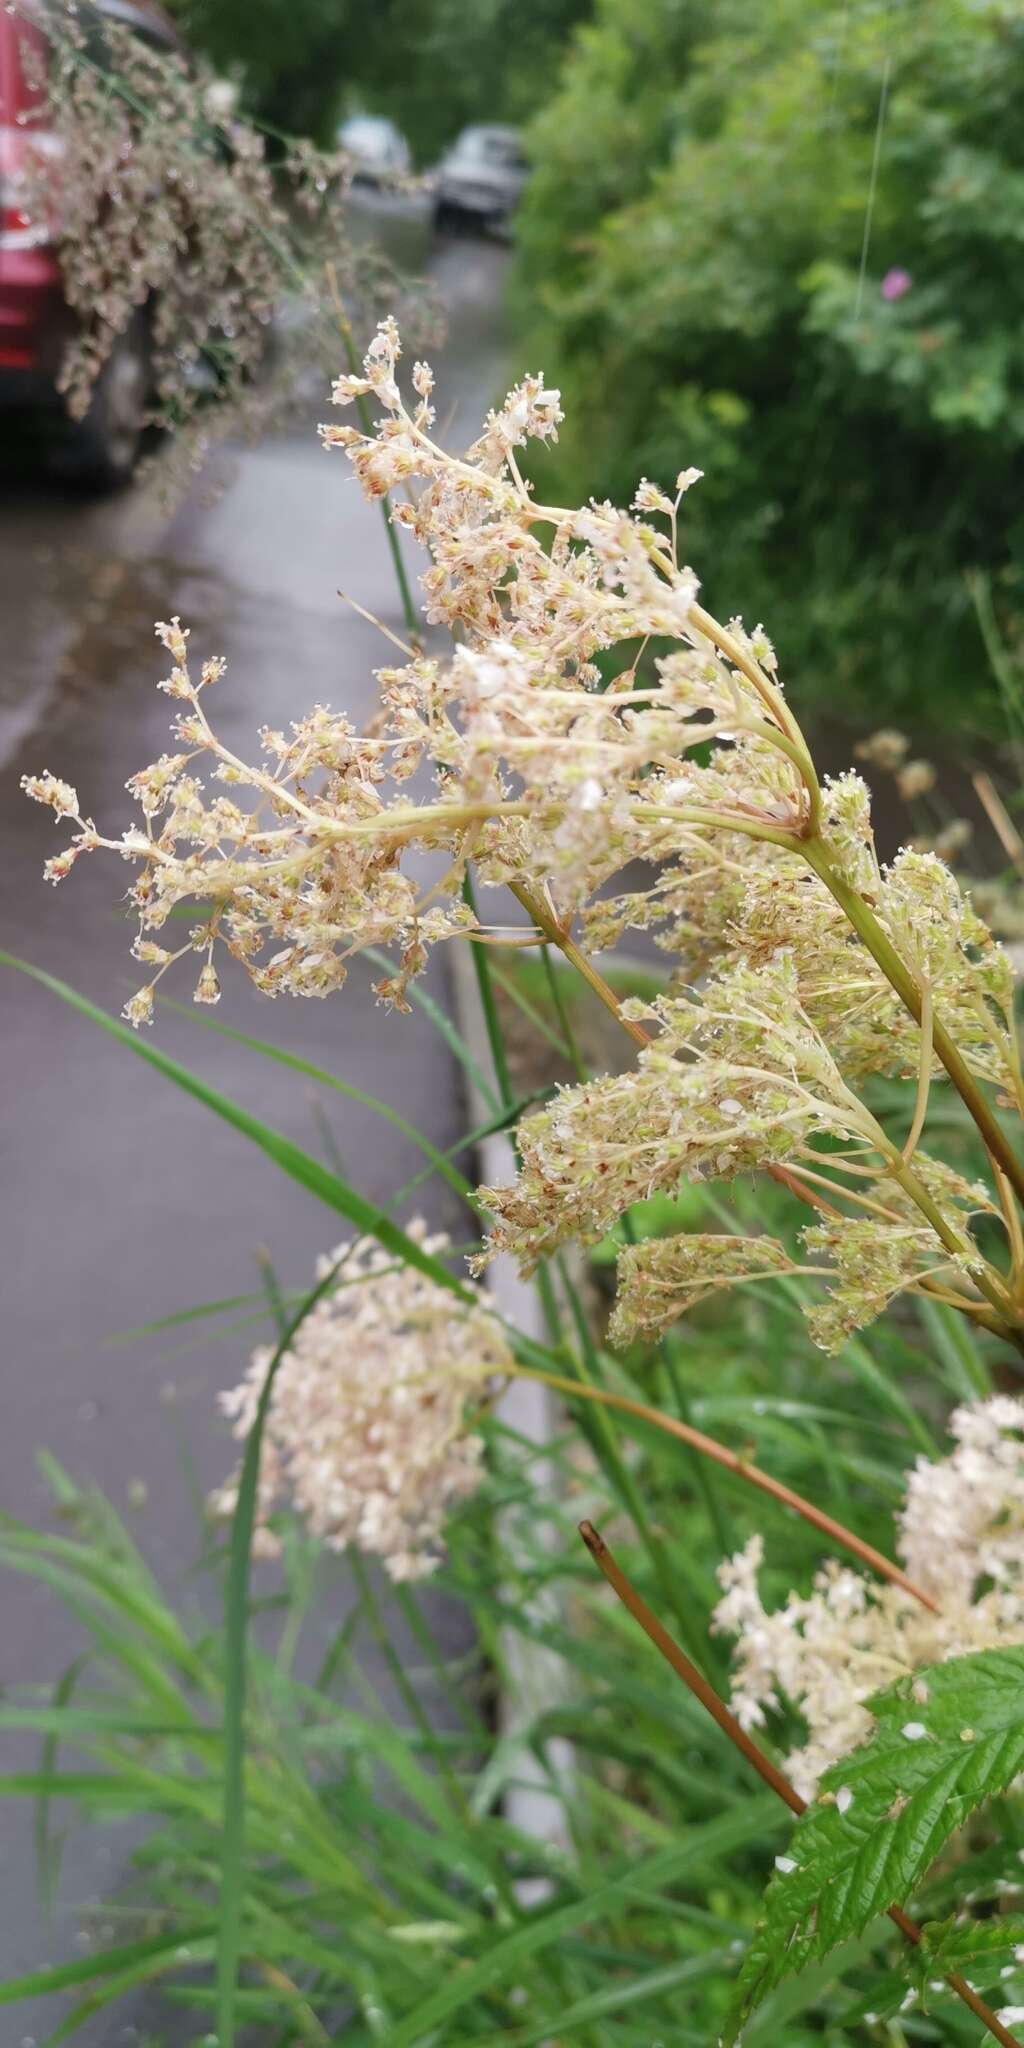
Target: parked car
378,149
480,179
35,322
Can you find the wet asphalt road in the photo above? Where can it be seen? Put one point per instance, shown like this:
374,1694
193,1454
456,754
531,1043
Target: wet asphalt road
123,1201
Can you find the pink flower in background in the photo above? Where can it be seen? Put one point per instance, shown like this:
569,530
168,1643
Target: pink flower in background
896,284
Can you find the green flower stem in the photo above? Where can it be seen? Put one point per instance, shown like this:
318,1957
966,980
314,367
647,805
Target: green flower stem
544,917
986,1279
880,946
1009,1324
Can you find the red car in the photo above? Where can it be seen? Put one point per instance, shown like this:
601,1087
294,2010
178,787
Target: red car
35,322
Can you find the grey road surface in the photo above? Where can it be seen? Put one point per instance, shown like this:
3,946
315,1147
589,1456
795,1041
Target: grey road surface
123,1201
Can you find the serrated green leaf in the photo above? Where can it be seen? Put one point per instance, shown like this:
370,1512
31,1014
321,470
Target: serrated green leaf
981,1948
903,1795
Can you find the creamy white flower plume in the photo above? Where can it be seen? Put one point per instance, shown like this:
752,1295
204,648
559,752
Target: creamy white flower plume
368,1434
961,1539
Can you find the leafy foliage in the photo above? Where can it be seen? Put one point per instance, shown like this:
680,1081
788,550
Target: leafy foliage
399,1862
432,65
717,271
984,1950
940,1749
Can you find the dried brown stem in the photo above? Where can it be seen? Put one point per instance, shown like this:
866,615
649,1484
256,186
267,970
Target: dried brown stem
709,1447
762,1764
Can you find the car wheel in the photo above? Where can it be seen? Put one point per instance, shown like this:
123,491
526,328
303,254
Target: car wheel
447,218
105,444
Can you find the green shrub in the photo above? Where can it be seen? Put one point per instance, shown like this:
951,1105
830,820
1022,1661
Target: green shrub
718,272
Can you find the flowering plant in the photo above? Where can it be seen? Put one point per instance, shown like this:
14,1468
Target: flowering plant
168,214
593,717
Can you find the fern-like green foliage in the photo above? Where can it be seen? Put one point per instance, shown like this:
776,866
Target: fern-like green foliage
882,1816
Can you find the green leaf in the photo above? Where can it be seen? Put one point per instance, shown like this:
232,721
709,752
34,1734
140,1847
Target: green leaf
438,1159
979,1949
640,1878
902,1796
236,1625
452,1037
328,1187
64,1975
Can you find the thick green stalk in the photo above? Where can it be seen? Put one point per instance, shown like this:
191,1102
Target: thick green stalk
882,950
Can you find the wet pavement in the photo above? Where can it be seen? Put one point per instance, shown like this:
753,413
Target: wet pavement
123,1200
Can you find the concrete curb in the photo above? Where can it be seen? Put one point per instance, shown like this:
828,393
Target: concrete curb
535,1674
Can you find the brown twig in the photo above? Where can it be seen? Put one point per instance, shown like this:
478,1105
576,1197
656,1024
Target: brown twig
709,1447
754,1756
1000,820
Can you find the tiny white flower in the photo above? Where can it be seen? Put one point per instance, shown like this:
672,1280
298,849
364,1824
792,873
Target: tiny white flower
915,1731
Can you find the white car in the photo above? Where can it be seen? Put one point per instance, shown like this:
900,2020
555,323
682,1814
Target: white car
378,149
480,180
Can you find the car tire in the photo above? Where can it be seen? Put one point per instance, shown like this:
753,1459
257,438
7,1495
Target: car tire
447,218
106,443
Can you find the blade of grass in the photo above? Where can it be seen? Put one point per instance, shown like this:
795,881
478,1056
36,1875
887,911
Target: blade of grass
187,1315
526,1009
561,1009
236,1622
616,1998
646,1877
46,1848
300,1166
605,1446
63,1976
495,1039
452,1037
966,1371
438,1160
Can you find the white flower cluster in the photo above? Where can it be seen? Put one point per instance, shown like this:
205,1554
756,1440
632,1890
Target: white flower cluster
819,963
539,772
961,1540
733,1080
367,1431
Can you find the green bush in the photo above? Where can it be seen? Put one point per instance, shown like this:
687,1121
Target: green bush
784,245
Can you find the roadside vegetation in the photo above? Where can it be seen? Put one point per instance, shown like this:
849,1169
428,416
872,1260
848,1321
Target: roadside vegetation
763,1087
783,246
